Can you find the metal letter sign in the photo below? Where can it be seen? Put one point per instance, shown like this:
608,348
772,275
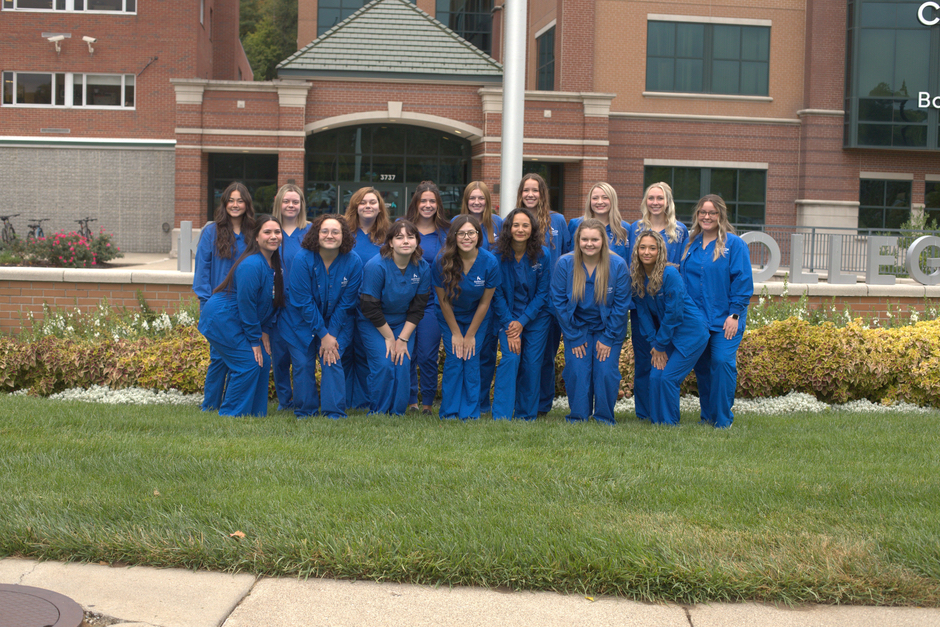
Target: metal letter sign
923,19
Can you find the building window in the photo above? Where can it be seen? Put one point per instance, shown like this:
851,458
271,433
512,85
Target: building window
109,6
545,73
932,202
258,172
744,191
707,58
69,90
471,19
332,12
883,204
554,175
202,12
892,58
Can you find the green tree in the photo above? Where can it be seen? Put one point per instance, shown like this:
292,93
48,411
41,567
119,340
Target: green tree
268,29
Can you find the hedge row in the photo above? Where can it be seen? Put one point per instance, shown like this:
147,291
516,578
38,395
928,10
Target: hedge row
833,364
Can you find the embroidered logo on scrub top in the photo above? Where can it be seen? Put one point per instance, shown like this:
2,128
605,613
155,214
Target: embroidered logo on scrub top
415,279
553,230
726,250
345,281
479,282
537,266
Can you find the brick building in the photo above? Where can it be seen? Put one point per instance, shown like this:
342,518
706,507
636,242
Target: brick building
798,112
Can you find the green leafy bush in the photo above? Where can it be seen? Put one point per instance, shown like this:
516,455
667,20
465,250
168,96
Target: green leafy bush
62,250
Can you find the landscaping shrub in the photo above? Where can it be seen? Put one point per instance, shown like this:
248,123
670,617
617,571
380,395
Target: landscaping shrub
62,250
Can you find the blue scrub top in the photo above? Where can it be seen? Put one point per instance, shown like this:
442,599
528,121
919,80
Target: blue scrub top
393,287
239,315
483,275
719,287
671,318
623,249
431,244
613,312
321,301
365,247
558,239
290,246
489,242
211,269
523,289
674,249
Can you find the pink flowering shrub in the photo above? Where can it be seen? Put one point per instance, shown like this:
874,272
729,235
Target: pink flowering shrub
64,250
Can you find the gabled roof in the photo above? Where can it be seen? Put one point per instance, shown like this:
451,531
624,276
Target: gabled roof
392,39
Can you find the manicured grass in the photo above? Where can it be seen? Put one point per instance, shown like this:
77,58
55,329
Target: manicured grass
833,508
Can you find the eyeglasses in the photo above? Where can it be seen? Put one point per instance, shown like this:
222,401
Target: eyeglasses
466,234
707,214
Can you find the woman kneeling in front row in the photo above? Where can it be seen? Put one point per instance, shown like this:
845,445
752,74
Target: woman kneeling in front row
669,321
591,295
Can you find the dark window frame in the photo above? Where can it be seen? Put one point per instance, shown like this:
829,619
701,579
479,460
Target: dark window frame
545,69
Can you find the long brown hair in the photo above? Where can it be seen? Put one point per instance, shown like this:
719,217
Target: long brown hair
409,229
451,263
543,211
224,232
638,272
669,211
276,209
440,222
251,248
382,221
724,227
616,222
487,220
601,273
533,247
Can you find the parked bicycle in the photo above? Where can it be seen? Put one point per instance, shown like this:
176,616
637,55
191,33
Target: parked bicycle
35,230
8,234
83,229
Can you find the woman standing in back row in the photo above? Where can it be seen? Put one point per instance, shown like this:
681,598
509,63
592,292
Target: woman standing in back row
534,196
716,268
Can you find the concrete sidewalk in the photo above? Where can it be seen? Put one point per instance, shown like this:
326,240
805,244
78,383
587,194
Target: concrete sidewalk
151,597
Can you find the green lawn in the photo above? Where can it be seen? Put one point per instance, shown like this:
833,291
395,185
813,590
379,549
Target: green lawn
833,508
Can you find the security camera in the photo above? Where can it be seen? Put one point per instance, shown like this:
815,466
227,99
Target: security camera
57,40
89,41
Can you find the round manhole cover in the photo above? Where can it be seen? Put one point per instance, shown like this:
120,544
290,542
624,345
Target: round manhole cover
25,606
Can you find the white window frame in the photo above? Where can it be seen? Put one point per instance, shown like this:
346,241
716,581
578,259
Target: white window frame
10,5
69,91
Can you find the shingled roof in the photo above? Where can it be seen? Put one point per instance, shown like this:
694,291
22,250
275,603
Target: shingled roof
392,39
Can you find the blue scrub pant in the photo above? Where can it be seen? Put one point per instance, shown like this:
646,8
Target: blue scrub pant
280,363
356,367
664,385
488,366
216,376
592,385
331,398
717,375
460,384
426,357
642,365
389,384
547,377
517,376
246,393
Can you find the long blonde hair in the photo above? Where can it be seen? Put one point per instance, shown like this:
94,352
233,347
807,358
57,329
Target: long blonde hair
638,272
382,222
543,211
486,221
276,209
601,273
669,212
724,227
616,223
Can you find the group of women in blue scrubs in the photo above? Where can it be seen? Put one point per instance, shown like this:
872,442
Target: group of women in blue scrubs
359,300
238,318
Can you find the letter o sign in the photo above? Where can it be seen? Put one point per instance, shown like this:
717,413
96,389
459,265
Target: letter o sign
923,19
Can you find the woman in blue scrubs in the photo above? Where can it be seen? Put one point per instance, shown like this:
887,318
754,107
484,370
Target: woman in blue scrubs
368,219
426,211
465,277
477,202
221,243
602,205
290,209
716,268
238,318
670,323
533,195
395,288
591,295
324,292
657,213
522,316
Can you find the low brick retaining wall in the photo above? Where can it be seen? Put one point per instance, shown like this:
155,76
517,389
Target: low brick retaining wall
26,289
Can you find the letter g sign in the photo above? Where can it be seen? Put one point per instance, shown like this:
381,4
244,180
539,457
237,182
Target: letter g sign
923,19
